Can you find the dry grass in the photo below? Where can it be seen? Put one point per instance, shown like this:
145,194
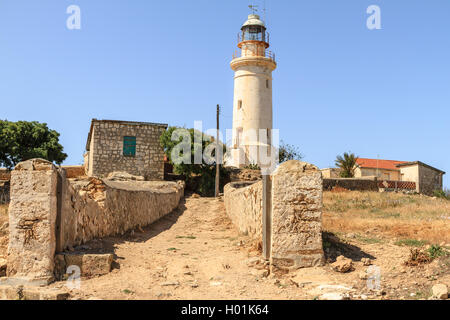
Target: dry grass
388,214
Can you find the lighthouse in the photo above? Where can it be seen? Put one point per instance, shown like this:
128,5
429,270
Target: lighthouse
253,64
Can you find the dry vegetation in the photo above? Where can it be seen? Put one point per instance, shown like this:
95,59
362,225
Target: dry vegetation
409,219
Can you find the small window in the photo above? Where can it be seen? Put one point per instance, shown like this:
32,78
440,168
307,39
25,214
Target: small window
239,104
267,83
129,146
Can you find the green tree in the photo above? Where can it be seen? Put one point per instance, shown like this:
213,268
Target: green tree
289,152
206,172
23,140
346,163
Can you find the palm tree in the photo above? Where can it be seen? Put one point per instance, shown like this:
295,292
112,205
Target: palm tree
347,164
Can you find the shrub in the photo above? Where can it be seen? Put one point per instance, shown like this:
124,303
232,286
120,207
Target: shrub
441,194
436,251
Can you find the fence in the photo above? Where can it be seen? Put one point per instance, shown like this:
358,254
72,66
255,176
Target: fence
403,185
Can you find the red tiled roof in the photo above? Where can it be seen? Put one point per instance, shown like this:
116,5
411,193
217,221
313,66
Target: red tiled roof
378,163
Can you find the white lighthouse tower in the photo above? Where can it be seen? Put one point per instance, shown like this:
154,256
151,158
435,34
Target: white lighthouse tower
252,107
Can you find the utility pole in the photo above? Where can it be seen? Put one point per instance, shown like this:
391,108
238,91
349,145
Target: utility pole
217,154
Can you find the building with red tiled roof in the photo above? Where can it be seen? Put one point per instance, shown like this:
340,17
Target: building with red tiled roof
423,177
384,169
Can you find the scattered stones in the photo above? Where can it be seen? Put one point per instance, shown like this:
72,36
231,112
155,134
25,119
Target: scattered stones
31,293
90,264
260,273
342,264
170,283
334,296
366,261
215,283
440,291
363,275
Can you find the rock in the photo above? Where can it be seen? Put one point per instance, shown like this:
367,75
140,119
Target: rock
89,264
363,275
440,291
260,273
123,176
252,262
342,264
366,261
4,227
334,296
363,297
170,283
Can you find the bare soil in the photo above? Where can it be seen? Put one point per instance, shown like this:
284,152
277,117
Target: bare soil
196,253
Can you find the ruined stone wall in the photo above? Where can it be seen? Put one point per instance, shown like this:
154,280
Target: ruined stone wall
296,213
243,202
106,150
97,208
32,221
50,213
74,171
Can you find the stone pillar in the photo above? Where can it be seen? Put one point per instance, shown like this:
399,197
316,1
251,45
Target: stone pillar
32,217
296,216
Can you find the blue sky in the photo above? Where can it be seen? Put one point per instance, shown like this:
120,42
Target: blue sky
339,86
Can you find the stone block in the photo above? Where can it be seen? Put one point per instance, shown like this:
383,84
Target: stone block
32,214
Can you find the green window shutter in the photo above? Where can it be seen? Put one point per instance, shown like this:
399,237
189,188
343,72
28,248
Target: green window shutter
129,146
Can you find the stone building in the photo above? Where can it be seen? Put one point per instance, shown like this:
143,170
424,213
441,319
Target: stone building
125,146
427,178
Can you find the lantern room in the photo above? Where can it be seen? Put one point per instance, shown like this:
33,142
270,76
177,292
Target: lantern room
254,30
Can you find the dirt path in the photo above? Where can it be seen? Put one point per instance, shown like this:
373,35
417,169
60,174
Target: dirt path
196,253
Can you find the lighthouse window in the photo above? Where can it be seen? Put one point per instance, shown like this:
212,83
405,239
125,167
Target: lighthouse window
239,104
267,84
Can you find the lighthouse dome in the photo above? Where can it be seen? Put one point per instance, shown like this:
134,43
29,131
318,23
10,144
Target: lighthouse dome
253,20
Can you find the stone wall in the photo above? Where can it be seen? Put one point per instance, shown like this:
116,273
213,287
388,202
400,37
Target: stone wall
50,213
430,180
105,148
243,202
97,208
32,222
296,214
351,184
74,171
